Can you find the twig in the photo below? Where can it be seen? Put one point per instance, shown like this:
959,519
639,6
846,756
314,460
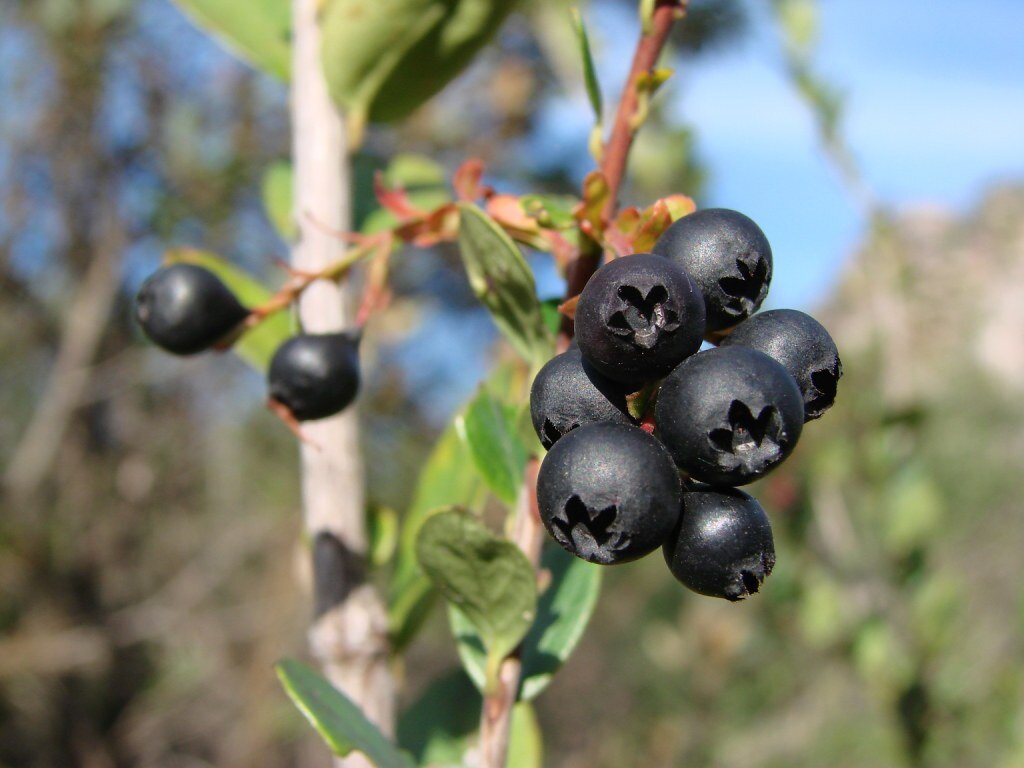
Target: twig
496,717
616,150
527,532
349,631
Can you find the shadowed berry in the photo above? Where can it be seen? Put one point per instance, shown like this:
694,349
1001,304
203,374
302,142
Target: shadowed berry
608,493
185,309
638,317
727,256
315,375
569,393
723,546
802,346
729,415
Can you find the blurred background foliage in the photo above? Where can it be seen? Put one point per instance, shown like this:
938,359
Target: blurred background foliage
148,535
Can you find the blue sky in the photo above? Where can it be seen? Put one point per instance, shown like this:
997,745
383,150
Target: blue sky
934,115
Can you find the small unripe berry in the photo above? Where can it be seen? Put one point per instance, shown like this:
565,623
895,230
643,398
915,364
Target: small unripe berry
315,375
727,256
638,317
802,346
185,309
608,493
568,393
723,546
729,415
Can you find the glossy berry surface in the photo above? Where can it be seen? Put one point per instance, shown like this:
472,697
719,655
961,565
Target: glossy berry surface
315,375
727,256
568,393
729,415
638,317
802,346
185,309
608,493
723,546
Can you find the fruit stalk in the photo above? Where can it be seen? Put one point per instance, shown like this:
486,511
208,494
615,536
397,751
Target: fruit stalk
496,717
349,632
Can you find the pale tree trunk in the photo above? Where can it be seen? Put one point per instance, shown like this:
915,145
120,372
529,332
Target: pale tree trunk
349,632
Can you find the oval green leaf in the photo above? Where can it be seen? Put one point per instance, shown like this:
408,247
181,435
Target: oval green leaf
256,31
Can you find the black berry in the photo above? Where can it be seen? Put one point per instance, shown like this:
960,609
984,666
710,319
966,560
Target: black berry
729,259
315,375
608,493
802,346
638,317
185,309
723,546
569,393
729,415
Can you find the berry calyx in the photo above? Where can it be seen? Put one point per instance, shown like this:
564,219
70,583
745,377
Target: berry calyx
729,415
802,346
638,317
723,546
568,393
728,257
185,309
315,375
608,493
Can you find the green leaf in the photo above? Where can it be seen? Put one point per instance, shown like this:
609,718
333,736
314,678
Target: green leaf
563,611
257,31
443,482
382,531
551,211
525,743
277,199
440,727
486,577
338,721
502,280
488,427
258,345
384,59
589,70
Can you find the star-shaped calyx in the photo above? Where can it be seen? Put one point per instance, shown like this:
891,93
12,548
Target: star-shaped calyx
747,291
822,393
749,441
589,533
645,317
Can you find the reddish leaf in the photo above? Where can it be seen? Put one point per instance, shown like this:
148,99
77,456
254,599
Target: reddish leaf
466,180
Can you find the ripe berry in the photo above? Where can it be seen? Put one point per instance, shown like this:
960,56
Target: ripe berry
186,309
729,415
803,347
315,375
608,493
638,317
569,393
729,259
723,546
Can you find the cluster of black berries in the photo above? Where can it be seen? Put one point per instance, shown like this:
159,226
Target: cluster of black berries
609,490
185,309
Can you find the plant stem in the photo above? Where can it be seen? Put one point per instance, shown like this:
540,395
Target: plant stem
349,631
616,150
496,717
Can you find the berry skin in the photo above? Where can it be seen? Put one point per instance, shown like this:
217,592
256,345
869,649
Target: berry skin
729,415
802,346
608,493
729,259
723,546
185,309
315,375
569,393
638,317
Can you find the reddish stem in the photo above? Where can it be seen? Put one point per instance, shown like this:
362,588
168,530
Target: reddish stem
616,150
